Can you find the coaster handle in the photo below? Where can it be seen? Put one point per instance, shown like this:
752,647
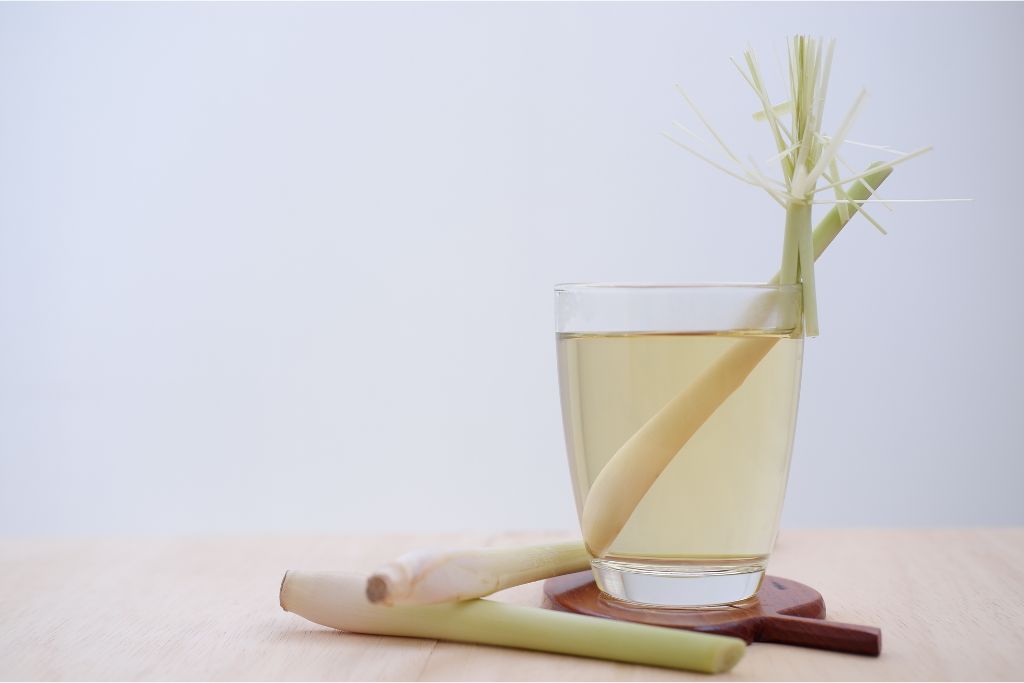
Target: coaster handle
821,634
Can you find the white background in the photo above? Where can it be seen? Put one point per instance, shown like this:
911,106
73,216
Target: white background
289,267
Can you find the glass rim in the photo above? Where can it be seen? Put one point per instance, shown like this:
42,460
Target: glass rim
577,286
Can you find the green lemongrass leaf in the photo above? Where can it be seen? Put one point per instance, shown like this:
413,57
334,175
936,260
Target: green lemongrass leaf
709,127
785,152
802,129
753,79
858,207
840,193
689,132
833,146
876,196
781,108
877,148
826,72
708,160
885,164
756,81
878,226
765,178
751,179
782,198
846,202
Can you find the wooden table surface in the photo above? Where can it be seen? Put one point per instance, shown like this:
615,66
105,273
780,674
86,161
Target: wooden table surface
950,604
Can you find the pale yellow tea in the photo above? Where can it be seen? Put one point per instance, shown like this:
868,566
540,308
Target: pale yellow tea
719,500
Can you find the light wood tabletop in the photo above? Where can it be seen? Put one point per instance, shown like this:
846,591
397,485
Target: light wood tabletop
950,604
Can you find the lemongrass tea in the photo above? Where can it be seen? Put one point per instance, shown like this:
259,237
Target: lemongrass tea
717,503
679,406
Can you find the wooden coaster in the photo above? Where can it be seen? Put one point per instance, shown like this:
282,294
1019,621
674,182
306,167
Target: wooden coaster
783,611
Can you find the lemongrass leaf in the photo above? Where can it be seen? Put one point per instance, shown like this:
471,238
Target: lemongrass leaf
840,193
886,164
876,195
837,139
781,108
708,160
709,127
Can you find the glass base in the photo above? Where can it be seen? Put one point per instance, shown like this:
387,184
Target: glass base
678,586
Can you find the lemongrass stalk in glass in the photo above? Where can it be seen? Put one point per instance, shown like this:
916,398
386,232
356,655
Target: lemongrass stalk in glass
705,512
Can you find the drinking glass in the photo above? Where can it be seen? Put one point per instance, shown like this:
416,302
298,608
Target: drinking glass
637,364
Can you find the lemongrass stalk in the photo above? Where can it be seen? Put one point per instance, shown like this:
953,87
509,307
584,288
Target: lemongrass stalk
839,192
810,292
632,470
788,272
426,577
627,476
337,600
834,221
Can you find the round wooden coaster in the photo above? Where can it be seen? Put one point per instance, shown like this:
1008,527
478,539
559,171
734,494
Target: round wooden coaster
783,611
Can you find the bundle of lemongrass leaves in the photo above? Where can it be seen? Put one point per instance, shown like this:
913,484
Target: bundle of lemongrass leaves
434,594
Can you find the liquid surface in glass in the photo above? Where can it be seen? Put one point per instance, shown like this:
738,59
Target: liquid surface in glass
720,498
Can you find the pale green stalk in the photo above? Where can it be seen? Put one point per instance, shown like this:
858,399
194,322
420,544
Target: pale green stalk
840,194
796,216
802,157
810,291
806,81
337,600
425,577
790,270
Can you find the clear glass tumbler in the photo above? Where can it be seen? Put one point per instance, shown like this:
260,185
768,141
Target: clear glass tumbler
679,404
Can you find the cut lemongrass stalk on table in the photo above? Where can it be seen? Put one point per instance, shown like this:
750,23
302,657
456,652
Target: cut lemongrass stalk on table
338,600
426,577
